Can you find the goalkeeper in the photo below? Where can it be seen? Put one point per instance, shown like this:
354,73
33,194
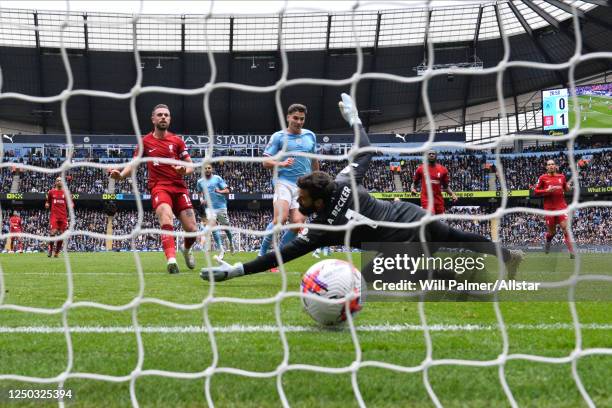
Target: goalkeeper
331,202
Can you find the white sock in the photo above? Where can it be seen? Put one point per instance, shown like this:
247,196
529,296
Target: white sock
171,260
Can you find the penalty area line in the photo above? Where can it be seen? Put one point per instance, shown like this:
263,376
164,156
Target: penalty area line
238,328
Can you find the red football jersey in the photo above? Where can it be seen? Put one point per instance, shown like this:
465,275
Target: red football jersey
553,200
170,147
57,203
15,223
438,175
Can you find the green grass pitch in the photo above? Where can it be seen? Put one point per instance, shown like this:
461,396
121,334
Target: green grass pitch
599,115
247,340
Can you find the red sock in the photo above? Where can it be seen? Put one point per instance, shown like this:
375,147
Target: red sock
168,242
51,246
189,241
549,236
569,244
58,246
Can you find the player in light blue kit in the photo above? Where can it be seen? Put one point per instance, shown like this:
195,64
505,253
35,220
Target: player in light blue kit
217,189
290,168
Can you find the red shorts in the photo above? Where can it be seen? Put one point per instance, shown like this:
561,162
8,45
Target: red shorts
15,230
177,198
553,220
60,224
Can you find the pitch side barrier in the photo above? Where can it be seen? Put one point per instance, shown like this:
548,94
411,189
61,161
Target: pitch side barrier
586,191
582,248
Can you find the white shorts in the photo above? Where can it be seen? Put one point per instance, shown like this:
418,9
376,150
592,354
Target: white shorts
287,192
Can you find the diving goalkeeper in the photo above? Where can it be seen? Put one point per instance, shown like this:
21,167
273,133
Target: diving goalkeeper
331,202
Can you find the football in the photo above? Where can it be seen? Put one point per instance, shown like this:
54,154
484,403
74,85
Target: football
331,279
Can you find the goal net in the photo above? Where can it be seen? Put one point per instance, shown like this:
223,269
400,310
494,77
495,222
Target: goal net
301,347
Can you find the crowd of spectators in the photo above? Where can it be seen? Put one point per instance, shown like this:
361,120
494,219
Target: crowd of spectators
597,172
124,223
37,222
125,185
555,147
378,178
468,172
81,179
252,220
6,179
522,172
591,226
241,177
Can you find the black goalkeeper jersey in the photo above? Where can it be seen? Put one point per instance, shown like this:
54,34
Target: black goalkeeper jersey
340,209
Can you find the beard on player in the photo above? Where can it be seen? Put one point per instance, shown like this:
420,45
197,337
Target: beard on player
431,157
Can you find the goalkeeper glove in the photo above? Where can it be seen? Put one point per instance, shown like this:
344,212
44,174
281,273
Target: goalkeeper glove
223,271
348,111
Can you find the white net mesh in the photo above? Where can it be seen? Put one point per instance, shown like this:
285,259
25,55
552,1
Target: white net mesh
286,292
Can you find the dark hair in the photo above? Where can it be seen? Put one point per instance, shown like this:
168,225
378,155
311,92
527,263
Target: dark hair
297,107
158,106
318,184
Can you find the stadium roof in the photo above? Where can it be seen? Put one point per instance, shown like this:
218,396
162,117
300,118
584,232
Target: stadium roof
464,21
247,64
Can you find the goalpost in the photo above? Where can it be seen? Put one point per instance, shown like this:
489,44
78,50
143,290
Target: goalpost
428,73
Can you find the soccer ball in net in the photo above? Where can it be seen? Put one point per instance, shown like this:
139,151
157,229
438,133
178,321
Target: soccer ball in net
331,279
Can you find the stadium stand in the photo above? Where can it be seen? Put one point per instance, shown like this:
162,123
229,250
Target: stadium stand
592,226
467,171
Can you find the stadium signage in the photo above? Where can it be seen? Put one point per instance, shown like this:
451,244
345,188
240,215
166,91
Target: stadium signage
227,140
607,189
269,196
122,141
14,196
461,194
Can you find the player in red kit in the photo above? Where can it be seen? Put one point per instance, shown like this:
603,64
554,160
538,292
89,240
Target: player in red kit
438,174
15,227
58,221
169,193
553,186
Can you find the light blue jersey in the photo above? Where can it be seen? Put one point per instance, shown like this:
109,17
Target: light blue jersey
305,142
218,201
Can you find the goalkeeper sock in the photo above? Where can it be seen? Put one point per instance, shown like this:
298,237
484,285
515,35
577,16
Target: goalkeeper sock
217,238
568,243
189,241
267,240
168,242
287,237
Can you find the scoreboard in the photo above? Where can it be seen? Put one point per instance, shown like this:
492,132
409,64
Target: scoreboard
555,111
